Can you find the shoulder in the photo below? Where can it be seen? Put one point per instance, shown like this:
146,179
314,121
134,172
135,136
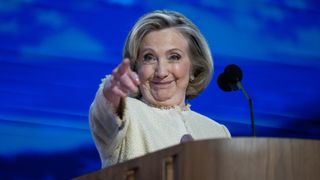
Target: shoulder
208,125
199,118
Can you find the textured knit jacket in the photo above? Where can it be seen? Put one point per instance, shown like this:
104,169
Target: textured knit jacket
144,129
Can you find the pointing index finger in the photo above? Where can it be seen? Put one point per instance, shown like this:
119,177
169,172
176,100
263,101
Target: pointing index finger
124,67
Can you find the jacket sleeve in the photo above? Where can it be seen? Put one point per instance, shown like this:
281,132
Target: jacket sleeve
107,128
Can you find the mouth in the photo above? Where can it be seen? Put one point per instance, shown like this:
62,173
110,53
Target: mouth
161,85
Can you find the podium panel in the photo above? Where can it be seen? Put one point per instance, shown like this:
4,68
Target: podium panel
223,159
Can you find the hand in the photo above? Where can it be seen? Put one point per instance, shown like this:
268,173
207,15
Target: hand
123,82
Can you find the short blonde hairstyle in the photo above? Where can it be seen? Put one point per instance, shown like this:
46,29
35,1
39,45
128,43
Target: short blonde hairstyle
199,51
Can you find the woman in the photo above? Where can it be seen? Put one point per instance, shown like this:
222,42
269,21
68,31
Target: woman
141,107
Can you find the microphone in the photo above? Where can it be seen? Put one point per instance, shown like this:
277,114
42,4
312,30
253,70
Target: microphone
227,81
230,80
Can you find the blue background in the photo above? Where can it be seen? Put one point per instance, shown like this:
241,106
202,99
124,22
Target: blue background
53,55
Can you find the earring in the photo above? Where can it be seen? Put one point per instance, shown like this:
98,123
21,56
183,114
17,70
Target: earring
192,77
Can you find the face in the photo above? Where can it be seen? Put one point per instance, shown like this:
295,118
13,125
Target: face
164,67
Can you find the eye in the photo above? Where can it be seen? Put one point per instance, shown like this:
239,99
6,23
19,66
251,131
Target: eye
175,57
149,57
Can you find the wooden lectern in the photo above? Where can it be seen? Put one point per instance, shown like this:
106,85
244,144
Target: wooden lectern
223,159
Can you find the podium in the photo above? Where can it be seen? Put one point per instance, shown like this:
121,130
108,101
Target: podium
223,159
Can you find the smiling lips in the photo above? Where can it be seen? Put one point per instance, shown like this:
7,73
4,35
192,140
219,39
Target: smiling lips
161,85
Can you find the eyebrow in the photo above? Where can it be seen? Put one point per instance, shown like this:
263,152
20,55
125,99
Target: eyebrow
170,50
146,49
175,49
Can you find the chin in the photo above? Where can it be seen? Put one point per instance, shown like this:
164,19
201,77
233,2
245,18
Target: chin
162,95
162,98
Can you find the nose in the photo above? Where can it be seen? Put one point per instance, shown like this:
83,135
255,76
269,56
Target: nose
161,70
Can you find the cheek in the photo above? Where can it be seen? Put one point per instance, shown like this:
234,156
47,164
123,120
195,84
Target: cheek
182,70
145,73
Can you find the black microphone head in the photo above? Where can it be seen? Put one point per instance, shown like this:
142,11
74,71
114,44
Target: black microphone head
234,72
224,82
228,80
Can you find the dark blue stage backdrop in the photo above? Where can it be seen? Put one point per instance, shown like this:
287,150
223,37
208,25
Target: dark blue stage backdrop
53,55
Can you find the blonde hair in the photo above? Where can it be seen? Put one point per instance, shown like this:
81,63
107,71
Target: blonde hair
199,52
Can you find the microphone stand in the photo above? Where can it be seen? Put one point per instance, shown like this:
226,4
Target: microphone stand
253,127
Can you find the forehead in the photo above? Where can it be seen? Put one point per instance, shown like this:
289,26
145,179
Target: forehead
164,39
